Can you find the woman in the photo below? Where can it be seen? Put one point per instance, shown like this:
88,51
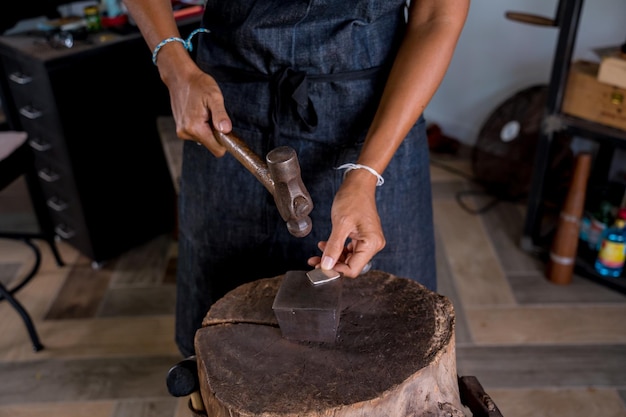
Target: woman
341,82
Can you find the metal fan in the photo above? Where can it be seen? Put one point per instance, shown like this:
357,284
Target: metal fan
504,153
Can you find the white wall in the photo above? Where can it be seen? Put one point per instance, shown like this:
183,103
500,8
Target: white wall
496,57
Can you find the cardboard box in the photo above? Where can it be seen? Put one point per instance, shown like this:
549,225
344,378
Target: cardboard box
588,98
613,71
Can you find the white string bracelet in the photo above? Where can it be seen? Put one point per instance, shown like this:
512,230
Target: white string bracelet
349,167
186,43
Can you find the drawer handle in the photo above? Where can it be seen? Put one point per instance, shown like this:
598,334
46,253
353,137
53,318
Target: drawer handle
56,204
64,231
20,78
39,144
48,175
30,112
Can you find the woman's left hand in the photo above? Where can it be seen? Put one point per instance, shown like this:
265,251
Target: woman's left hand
357,233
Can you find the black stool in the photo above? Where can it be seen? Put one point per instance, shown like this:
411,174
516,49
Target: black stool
16,160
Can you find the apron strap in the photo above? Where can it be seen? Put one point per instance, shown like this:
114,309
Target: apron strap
289,88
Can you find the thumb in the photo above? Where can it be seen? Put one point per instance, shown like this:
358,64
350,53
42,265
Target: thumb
333,251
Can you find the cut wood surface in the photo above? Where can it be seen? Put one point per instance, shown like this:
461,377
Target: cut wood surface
394,355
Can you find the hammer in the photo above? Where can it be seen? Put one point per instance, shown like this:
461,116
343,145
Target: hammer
281,176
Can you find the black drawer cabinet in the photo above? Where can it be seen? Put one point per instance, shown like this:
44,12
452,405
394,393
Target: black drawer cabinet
90,112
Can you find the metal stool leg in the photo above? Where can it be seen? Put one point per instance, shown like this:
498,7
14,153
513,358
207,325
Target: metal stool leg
55,251
6,294
37,346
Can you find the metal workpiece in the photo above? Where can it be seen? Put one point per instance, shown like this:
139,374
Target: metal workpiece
307,312
280,174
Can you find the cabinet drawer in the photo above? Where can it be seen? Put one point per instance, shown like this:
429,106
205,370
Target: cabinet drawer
32,95
45,147
25,74
26,80
70,228
60,202
40,119
66,218
52,174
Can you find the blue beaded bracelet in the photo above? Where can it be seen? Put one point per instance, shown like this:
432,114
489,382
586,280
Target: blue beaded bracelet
186,43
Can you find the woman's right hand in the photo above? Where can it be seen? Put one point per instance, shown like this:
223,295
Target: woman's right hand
196,99
198,105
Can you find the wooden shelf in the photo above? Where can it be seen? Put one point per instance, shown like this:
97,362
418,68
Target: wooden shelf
535,238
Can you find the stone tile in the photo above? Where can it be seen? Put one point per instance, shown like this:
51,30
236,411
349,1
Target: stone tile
14,251
452,189
143,336
59,409
573,324
39,294
15,336
584,402
71,380
36,297
535,288
478,276
8,272
445,286
504,224
138,302
81,293
544,367
163,407
144,265
446,168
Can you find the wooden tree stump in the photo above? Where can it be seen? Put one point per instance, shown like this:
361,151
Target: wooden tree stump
394,355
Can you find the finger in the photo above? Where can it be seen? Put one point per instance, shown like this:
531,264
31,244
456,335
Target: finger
354,265
334,248
205,137
221,121
314,261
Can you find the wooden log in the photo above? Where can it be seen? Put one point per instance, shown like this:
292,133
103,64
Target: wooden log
560,268
394,355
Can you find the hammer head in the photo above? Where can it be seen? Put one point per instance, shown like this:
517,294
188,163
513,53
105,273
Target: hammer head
307,312
291,196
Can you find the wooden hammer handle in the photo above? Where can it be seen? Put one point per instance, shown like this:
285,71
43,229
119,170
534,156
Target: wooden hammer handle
246,156
531,19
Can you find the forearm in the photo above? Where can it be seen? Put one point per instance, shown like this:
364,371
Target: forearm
418,70
156,22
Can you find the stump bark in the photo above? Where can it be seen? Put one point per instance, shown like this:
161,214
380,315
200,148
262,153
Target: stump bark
394,355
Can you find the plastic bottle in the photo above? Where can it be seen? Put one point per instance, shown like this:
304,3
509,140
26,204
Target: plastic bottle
610,260
599,222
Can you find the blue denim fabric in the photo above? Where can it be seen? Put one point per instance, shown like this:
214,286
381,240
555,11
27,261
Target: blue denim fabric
230,230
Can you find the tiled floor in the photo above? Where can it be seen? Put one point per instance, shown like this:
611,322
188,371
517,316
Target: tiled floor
538,349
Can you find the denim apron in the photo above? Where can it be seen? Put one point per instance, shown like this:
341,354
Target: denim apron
307,74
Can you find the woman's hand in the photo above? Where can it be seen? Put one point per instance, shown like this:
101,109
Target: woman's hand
198,106
357,233
196,99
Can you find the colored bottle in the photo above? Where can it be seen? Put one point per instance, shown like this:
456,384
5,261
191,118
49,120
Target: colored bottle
599,222
610,261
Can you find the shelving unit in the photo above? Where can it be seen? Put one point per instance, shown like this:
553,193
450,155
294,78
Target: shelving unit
555,122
